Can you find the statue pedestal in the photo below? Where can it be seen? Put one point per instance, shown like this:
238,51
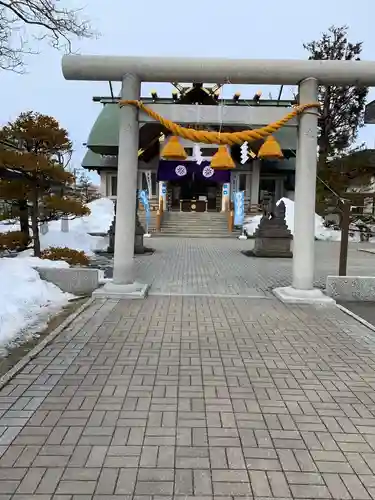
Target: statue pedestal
138,239
272,237
111,235
272,245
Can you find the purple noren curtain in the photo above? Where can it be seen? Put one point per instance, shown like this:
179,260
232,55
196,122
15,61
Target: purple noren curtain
178,170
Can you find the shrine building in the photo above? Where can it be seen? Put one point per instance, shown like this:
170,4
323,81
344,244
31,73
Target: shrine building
188,185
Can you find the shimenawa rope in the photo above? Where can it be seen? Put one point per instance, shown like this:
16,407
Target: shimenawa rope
213,137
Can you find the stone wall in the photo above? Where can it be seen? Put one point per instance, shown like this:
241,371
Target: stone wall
75,280
351,288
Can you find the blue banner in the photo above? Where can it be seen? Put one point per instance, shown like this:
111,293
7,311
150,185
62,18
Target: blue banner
143,198
239,208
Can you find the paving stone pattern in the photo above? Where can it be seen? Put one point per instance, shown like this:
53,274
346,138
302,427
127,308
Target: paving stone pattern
217,267
194,397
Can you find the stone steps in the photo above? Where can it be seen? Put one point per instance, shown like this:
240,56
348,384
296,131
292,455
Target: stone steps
190,225
195,225
197,235
142,220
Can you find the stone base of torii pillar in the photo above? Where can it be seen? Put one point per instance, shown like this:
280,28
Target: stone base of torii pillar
120,291
290,295
134,290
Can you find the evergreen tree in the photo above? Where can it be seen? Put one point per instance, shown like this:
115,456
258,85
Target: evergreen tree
40,189
342,114
85,188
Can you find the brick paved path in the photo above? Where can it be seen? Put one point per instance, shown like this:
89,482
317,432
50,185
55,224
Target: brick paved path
194,397
217,267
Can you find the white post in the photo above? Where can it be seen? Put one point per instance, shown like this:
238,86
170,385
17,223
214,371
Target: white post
302,289
64,224
103,184
233,184
279,189
255,181
163,194
248,191
123,284
44,228
225,198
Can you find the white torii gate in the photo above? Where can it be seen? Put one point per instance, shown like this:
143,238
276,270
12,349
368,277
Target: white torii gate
131,71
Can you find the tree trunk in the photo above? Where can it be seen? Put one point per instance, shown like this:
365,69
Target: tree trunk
34,222
24,220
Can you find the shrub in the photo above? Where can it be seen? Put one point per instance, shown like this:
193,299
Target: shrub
72,257
13,240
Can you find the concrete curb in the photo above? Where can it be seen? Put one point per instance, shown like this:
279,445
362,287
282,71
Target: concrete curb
7,377
356,317
367,250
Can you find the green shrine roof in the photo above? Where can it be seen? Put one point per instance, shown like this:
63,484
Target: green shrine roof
91,160
104,135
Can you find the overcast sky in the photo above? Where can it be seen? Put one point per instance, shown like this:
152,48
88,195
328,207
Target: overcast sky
236,29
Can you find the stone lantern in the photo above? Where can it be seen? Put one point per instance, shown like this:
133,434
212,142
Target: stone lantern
139,232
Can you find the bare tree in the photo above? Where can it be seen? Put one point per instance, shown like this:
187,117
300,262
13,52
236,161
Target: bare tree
24,20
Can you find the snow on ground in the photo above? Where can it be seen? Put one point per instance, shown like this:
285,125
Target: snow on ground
26,301
78,237
31,261
321,232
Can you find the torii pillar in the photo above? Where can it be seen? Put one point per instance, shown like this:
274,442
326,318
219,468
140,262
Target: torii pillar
131,71
302,289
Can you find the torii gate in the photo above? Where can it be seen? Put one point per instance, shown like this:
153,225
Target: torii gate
131,71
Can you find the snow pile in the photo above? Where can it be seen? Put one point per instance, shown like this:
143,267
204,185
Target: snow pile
74,239
26,301
321,232
6,226
99,220
78,237
29,260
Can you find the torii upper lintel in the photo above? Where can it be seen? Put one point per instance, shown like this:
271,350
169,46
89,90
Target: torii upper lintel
217,70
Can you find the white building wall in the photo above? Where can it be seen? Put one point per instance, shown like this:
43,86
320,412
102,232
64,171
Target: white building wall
107,176
103,183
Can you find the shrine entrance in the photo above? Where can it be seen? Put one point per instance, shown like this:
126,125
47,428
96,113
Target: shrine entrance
193,194
192,187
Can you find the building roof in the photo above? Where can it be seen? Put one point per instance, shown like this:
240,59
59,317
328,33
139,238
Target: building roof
103,137
370,113
91,160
